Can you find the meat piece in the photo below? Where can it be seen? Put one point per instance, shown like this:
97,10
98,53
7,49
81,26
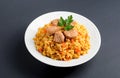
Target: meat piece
55,22
71,33
59,37
52,29
73,23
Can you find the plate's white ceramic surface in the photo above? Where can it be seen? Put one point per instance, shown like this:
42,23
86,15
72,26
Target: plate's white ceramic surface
95,39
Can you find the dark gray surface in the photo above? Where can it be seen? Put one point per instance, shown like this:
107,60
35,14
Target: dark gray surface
15,60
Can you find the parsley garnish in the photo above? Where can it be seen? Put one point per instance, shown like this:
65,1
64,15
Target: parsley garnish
61,22
68,27
66,23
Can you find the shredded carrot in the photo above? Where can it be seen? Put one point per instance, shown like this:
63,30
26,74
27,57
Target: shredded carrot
45,31
67,58
40,49
72,41
77,50
63,44
62,53
79,33
67,50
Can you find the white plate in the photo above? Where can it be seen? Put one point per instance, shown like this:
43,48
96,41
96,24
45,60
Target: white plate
95,38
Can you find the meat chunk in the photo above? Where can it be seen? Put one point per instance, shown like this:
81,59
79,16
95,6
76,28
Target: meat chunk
55,22
73,23
71,33
52,29
59,37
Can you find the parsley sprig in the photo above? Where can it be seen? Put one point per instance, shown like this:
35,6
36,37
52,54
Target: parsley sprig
66,23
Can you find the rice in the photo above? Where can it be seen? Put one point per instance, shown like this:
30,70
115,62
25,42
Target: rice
70,49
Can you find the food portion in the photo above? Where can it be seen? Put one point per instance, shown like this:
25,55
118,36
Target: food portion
62,39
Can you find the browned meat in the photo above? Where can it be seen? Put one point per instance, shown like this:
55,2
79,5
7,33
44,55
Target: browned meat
52,29
59,37
71,33
55,22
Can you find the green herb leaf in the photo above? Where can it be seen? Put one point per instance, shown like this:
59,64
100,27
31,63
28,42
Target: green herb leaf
61,22
69,20
66,23
69,27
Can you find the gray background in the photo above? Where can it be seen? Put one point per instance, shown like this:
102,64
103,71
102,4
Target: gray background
15,60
